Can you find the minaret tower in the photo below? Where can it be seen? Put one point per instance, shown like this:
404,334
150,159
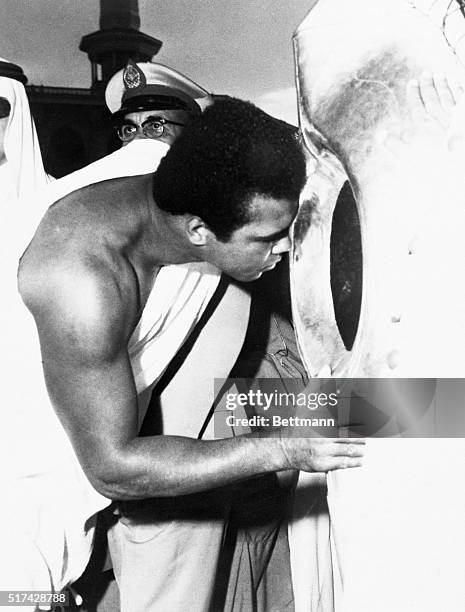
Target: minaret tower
117,40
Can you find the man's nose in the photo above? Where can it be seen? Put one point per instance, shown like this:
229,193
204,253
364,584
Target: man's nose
139,134
283,246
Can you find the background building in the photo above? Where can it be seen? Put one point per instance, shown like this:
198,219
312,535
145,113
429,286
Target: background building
73,124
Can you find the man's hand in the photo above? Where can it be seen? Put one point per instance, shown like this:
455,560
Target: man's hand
323,454
434,125
437,104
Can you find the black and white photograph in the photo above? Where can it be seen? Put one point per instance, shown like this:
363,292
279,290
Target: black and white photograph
231,256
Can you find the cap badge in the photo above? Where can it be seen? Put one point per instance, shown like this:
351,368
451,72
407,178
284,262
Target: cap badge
133,77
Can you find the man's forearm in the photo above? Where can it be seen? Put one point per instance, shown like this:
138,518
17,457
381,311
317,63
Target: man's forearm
159,466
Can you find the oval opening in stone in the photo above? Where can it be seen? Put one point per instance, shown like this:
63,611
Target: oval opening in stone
346,265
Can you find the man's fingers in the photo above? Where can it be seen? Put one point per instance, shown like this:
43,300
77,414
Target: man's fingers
436,98
456,140
342,463
349,450
341,448
415,101
430,98
350,441
334,454
445,94
456,88
350,462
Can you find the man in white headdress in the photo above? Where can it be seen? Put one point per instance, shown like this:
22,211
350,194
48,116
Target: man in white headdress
21,168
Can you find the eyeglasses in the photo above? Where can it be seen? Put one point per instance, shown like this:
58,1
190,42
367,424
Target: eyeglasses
153,127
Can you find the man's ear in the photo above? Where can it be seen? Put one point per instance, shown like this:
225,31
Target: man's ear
197,231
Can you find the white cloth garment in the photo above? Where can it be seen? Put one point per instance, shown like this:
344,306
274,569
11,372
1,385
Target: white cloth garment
140,156
23,171
47,517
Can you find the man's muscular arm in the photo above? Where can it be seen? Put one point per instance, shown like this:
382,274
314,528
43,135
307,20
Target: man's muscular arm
84,323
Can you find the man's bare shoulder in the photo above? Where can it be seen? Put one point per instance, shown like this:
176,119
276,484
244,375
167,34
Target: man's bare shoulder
111,189
88,301
82,236
75,276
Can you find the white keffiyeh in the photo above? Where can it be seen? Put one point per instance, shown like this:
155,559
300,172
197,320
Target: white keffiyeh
22,172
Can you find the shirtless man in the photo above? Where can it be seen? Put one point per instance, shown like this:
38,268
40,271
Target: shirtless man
226,194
